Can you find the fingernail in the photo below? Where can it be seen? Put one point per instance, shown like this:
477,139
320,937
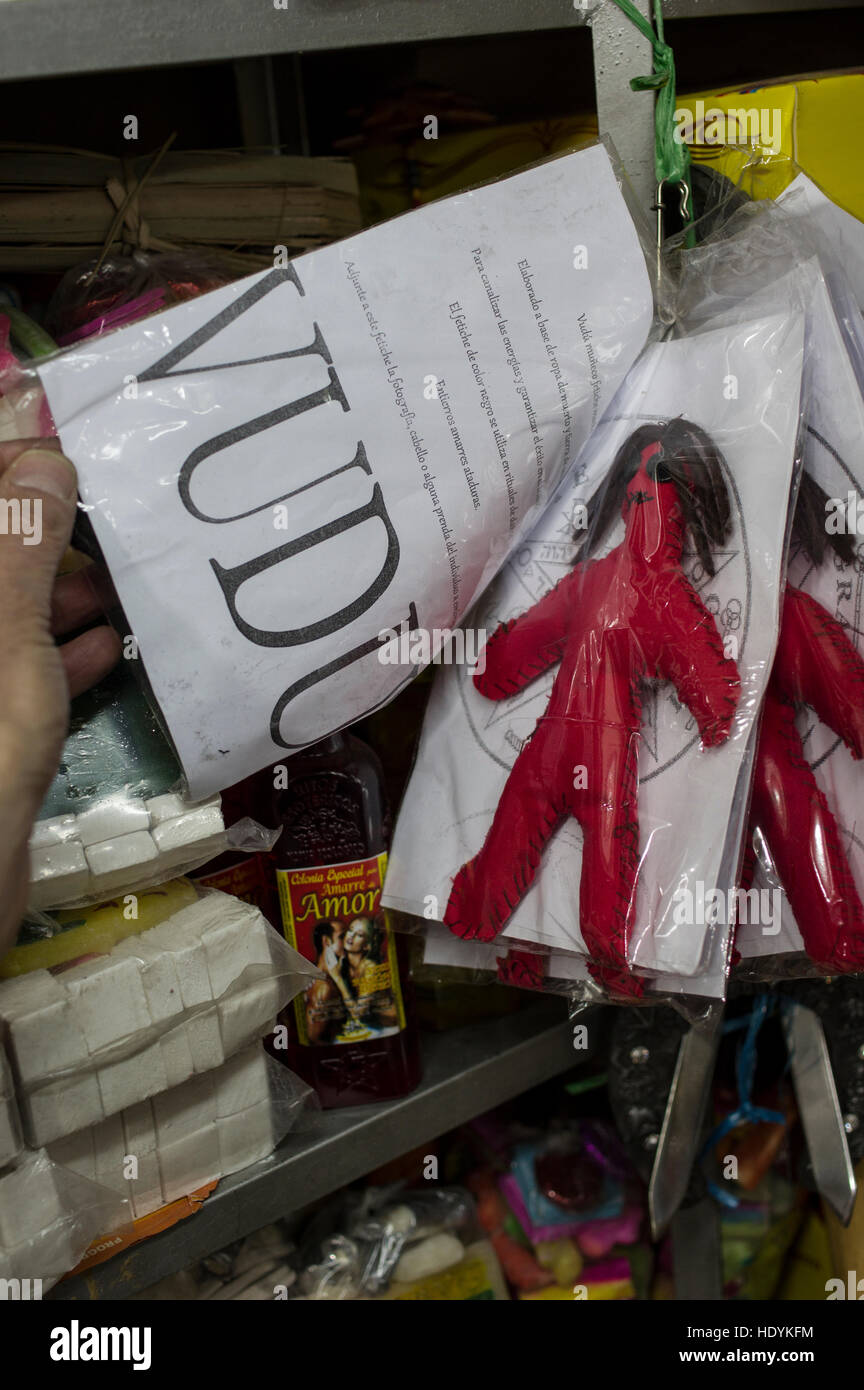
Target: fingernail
45,471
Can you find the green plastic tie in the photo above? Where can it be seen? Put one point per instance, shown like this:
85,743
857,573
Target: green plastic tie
671,156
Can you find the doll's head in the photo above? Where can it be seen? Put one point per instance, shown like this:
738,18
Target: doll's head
676,452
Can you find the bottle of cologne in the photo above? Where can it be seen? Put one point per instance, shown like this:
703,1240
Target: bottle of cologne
352,1034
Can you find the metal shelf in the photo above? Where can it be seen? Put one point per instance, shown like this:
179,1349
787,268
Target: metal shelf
49,38
42,38
466,1071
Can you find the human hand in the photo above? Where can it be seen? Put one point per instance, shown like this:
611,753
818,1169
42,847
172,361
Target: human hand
38,677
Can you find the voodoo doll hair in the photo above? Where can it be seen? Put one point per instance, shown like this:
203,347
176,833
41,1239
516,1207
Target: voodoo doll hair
808,525
691,460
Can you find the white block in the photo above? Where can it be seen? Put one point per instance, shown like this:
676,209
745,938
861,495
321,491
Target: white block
41,1026
197,853
177,1056
116,816
185,1109
109,1000
246,1137
158,975
76,1152
241,1082
7,1085
25,993
250,1014
29,1202
60,1108
114,863
179,838
139,1128
191,920
10,1131
57,872
139,1133
56,831
165,807
205,1040
145,1191
109,1146
189,1163
187,955
133,1079
243,940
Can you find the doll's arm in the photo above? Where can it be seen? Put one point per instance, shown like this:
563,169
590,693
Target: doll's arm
817,665
523,648
691,656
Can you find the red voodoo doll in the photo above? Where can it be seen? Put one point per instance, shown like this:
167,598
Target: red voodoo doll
610,623
815,665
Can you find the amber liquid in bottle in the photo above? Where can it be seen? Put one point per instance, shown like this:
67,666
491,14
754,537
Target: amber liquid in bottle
351,1035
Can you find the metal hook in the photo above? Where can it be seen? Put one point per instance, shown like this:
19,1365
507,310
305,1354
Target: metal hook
684,211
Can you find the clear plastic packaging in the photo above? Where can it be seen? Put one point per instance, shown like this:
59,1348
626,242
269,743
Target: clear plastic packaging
142,842
48,1217
425,379
169,1146
634,814
383,1237
119,845
93,1037
96,297
804,854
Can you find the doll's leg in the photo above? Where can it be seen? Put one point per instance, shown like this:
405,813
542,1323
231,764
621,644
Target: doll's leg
805,845
524,969
608,814
488,888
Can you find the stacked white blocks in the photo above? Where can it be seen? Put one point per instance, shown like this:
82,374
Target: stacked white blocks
209,1127
174,1002
121,843
35,1224
48,1218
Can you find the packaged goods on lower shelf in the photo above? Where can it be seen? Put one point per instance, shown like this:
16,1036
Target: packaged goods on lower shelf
121,843
98,1036
162,1149
48,1216
384,1239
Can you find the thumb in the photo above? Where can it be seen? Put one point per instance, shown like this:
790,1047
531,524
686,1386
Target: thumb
37,512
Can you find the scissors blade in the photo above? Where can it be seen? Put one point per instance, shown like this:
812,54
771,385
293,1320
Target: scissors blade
682,1123
697,1257
819,1108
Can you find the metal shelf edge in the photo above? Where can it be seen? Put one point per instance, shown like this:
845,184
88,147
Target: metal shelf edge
52,38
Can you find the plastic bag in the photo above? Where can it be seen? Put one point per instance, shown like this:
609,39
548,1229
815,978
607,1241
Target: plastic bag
95,1036
48,1217
805,852
384,1236
741,386
121,844
94,298
425,379
185,1137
